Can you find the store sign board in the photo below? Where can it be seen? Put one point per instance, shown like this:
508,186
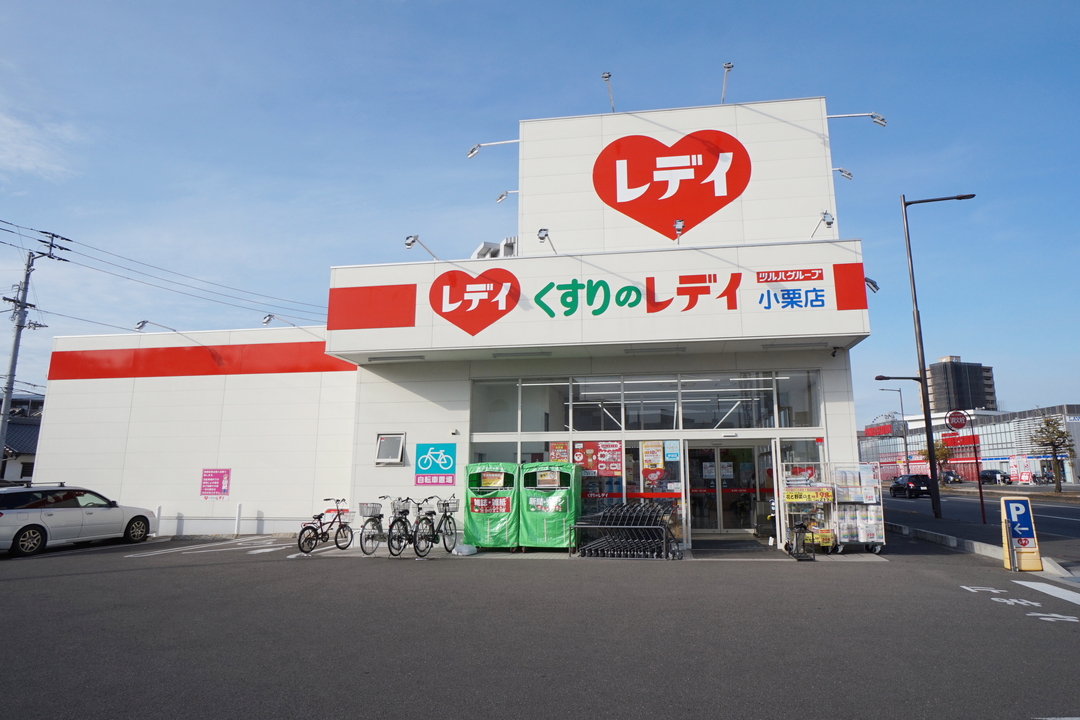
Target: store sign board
956,420
731,174
808,494
682,294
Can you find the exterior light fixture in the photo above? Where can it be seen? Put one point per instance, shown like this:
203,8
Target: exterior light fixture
827,218
679,225
143,323
871,284
846,174
878,120
606,77
543,236
505,194
413,240
476,148
723,91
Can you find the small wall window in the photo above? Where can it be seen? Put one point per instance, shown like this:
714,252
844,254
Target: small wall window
389,448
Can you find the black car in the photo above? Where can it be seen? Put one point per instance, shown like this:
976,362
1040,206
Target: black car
994,477
910,486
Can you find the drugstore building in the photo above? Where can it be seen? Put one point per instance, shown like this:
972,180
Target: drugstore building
675,314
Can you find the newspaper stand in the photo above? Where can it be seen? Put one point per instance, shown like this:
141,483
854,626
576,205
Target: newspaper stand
491,514
638,530
549,503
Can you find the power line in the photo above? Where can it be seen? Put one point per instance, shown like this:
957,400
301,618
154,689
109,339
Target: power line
92,322
147,265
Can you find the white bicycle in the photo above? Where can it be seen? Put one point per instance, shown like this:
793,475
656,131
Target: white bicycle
435,457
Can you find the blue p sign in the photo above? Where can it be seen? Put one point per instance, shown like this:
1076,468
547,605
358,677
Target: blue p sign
1018,514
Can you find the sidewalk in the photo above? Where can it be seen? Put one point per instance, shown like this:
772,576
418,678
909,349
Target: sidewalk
1061,555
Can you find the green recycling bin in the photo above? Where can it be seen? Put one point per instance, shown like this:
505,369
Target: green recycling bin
549,503
491,515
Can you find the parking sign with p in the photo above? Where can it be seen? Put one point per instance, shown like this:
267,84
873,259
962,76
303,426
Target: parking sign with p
1021,547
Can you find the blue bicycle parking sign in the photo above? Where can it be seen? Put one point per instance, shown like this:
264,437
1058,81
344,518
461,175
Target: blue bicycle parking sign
435,463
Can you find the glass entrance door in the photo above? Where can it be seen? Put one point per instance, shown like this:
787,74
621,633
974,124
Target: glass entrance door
724,487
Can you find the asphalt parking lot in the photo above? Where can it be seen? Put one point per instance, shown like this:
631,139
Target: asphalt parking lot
247,628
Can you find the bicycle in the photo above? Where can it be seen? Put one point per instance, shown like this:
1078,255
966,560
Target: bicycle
420,535
312,533
447,526
438,457
371,534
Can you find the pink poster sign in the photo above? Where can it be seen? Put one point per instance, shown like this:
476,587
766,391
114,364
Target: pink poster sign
215,483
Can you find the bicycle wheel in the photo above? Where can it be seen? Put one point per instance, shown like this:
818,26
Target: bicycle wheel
397,537
343,537
369,536
425,537
309,538
449,533
424,463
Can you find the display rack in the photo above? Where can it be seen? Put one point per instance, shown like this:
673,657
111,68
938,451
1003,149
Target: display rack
835,505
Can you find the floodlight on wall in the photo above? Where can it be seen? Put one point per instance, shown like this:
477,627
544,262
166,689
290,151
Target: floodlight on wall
679,225
826,218
878,120
871,284
723,91
213,353
505,194
543,236
270,317
846,174
606,77
413,240
143,323
476,148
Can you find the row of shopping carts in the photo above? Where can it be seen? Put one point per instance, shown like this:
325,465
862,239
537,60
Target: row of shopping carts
637,530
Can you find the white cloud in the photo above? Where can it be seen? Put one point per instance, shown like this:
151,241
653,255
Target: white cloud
34,149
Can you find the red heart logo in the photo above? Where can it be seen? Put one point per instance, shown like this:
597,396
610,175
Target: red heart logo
656,185
474,303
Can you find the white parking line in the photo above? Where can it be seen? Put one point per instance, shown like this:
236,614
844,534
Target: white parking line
93,549
1054,590
300,554
238,547
189,547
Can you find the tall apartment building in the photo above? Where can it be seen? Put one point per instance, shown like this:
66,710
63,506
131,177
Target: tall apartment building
956,385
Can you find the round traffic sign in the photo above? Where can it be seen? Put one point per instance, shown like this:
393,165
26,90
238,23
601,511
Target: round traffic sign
956,420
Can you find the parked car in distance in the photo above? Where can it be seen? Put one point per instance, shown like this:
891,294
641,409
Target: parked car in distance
910,486
994,477
950,476
34,516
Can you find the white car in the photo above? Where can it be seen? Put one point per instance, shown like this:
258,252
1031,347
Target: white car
32,517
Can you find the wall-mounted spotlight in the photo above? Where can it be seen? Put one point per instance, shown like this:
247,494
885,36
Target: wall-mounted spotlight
413,240
871,284
878,120
827,218
846,174
543,236
723,91
505,194
606,77
143,323
476,148
679,225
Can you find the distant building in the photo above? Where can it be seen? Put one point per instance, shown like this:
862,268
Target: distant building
956,385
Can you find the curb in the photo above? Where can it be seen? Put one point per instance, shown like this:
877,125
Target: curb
995,552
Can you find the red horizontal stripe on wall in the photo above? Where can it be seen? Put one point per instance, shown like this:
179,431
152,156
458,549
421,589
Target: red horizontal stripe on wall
195,360
850,286
376,306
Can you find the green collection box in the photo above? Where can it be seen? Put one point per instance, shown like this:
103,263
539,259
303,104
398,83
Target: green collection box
549,503
491,498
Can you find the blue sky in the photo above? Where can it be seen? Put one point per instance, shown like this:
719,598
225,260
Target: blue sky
257,144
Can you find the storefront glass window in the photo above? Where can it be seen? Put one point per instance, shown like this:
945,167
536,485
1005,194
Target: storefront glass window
493,452
727,400
597,403
799,398
651,402
494,406
545,405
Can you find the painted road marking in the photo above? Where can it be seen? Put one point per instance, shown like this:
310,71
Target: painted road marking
300,554
1054,590
268,549
86,550
238,547
183,548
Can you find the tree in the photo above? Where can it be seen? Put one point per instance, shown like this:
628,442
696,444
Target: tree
1052,436
942,453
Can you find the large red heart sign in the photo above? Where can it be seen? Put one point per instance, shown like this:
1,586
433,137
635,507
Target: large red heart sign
474,303
656,185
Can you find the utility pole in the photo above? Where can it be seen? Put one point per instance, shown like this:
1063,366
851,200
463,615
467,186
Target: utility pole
18,315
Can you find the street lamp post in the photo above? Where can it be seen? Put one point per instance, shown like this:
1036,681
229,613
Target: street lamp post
903,422
931,456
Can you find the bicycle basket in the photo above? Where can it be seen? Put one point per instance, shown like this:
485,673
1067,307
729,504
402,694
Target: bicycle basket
449,506
346,516
369,509
401,506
